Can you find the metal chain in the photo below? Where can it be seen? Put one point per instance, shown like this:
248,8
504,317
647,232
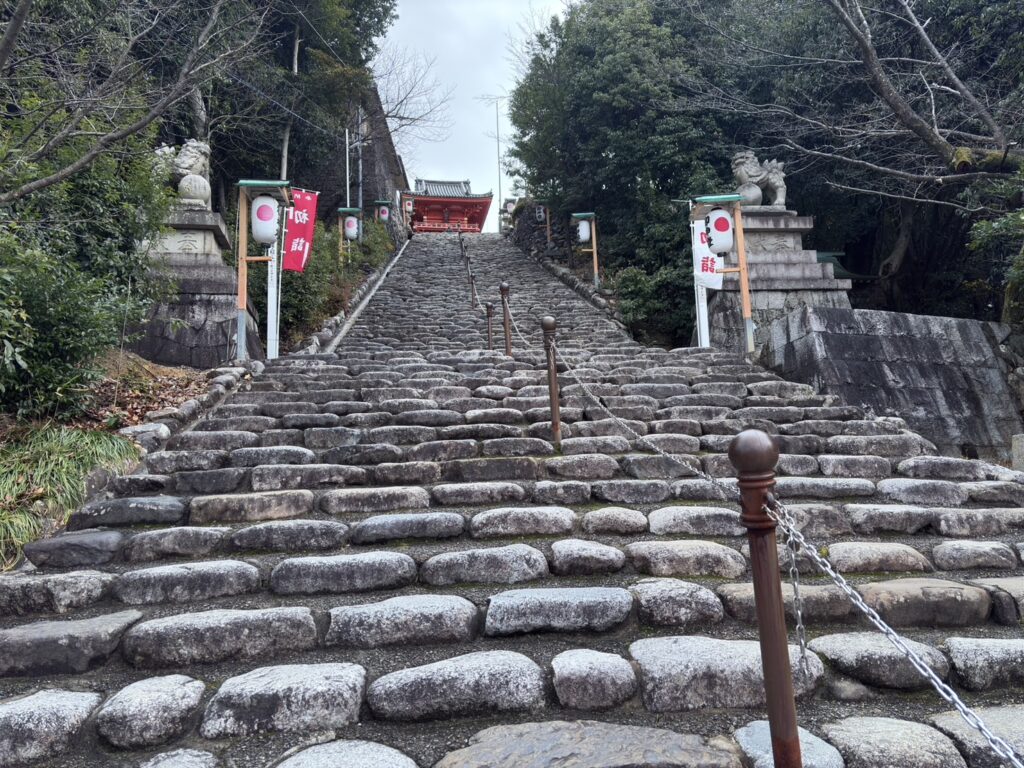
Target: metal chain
785,520
795,543
515,325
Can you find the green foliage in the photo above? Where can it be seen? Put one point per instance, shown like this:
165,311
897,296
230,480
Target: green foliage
596,130
658,308
42,478
64,319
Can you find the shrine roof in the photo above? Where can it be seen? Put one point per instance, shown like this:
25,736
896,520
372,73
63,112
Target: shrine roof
430,188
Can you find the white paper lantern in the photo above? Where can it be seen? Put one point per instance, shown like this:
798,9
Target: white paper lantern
540,215
510,206
383,213
719,228
584,227
408,206
351,227
264,220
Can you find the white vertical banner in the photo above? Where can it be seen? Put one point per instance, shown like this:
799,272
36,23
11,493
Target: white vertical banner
707,266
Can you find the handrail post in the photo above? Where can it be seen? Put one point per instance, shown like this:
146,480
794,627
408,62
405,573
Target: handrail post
507,319
490,325
547,325
754,454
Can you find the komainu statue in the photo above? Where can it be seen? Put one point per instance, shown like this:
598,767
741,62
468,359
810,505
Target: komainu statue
189,169
757,179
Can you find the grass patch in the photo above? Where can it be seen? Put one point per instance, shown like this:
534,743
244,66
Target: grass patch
43,469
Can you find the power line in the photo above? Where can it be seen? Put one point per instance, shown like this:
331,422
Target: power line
278,104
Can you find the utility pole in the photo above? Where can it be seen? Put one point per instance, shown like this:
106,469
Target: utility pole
497,138
359,142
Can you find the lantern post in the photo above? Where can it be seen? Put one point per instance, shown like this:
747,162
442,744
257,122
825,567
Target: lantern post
382,210
704,206
587,223
348,230
262,207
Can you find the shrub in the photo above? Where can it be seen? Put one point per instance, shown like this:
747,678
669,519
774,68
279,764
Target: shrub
657,307
57,319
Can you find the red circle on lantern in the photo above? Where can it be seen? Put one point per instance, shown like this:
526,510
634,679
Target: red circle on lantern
265,212
722,224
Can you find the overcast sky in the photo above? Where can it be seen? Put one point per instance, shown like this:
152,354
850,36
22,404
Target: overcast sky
470,41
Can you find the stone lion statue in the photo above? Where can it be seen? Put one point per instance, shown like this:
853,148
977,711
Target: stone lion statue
189,169
756,179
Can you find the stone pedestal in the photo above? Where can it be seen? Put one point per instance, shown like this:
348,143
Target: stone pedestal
783,277
195,325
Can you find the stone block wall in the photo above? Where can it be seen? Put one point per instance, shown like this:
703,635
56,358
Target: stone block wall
945,376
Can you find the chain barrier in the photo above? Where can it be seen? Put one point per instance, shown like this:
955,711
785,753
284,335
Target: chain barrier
795,544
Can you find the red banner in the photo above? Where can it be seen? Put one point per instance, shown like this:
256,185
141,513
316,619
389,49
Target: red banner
298,243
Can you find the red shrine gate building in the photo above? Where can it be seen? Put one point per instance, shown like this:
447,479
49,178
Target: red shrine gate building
445,206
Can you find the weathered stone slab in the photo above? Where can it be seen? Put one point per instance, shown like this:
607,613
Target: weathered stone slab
139,510
756,742
342,573
962,555
870,519
676,603
822,487
42,725
278,477
927,602
421,525
211,636
456,494
872,742
405,620
475,684
22,593
583,466
564,492
250,507
589,744
341,754
936,493
183,758
692,672
589,680
631,491
496,565
169,462
186,582
287,698
150,712
291,536
696,521
872,659
1002,721
575,557
184,541
618,520
874,556
982,663
75,549
281,454
557,609
522,521
686,558
819,603
62,647
374,499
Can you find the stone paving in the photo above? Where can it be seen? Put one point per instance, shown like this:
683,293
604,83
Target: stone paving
377,557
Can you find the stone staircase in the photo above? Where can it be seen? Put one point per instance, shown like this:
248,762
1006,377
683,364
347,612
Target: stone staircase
376,557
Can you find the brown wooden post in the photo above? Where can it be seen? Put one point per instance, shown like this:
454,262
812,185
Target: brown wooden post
754,454
490,325
547,325
507,319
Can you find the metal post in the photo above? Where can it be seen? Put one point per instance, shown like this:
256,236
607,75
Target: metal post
547,223
348,175
754,454
507,319
490,325
593,243
547,325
